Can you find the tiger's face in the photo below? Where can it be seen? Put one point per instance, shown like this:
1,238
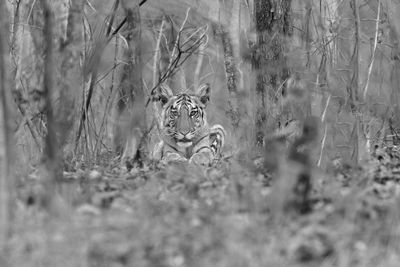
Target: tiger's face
183,116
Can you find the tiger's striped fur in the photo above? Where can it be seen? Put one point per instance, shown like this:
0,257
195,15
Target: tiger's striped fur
184,131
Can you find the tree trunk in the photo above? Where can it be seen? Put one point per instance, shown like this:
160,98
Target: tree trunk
357,139
272,21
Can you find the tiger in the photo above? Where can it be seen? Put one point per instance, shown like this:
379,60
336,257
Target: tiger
183,129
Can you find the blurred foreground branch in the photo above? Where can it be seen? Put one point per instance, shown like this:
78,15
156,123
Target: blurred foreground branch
131,113
6,146
51,153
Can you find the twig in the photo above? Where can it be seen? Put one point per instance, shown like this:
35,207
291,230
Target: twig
28,122
326,108
205,28
30,12
177,62
325,131
110,97
176,45
373,52
181,55
322,145
91,6
115,7
85,107
124,20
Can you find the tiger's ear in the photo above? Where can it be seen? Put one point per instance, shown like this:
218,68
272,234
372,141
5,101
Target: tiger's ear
203,92
163,94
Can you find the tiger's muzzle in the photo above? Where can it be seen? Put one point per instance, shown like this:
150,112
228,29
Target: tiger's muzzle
185,128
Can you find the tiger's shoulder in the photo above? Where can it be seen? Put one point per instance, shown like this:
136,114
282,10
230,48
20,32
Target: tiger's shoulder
212,142
217,136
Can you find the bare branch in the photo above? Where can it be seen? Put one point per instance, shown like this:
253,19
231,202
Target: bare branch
182,54
176,45
124,20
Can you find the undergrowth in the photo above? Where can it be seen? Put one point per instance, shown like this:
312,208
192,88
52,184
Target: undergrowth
187,215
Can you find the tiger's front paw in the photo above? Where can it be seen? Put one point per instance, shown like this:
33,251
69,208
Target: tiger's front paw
201,159
174,157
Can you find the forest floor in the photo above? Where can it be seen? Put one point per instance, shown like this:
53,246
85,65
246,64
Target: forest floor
229,215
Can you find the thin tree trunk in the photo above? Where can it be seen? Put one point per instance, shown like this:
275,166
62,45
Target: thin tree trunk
231,77
230,44
70,78
357,138
352,88
6,151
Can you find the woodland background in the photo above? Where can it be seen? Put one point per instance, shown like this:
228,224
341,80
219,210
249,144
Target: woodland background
307,91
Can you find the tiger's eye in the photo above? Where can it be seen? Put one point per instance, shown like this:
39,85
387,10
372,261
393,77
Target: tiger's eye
193,113
174,112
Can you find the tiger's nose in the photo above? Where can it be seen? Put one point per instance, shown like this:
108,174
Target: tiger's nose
185,131
184,127
184,122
